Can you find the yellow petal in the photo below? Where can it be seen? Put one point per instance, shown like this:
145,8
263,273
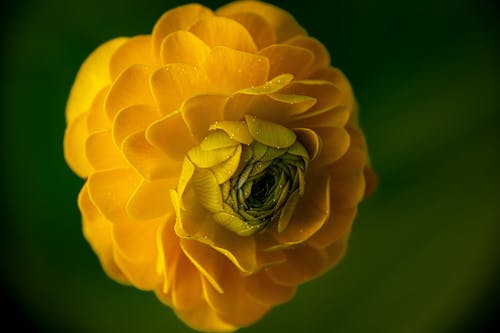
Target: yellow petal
274,107
321,55
136,252
137,50
151,199
325,93
91,78
338,225
169,249
266,291
186,174
75,137
130,88
334,117
303,264
236,130
133,119
335,143
209,158
204,318
103,153
97,119
335,76
171,135
174,83
110,191
221,31
234,306
205,259
180,18
183,47
187,291
229,70
98,232
148,160
207,190
199,112
311,212
224,171
310,140
217,140
281,21
260,30
269,87
269,133
288,59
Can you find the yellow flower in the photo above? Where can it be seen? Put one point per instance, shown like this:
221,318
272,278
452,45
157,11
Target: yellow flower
222,158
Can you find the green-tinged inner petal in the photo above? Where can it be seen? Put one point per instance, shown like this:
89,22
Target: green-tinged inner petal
270,134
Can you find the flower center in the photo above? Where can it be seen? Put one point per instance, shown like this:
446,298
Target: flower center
249,179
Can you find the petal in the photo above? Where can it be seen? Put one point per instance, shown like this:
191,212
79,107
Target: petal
130,88
229,70
334,117
198,225
137,50
335,76
261,31
151,199
133,119
97,231
207,190
325,93
199,112
224,171
311,212
288,59
264,290
205,319
91,78
310,140
187,292
273,107
110,191
74,146
180,18
237,130
174,83
234,305
183,47
221,31
97,119
281,21
269,133
206,260
338,225
148,160
209,158
321,55
335,143
303,264
170,251
103,153
136,252
171,135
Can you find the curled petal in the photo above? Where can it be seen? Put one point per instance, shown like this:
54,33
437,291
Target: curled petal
310,140
184,47
338,225
230,70
137,252
199,112
173,83
74,146
269,133
98,232
335,144
321,55
258,27
288,59
236,130
91,78
130,88
97,119
151,199
221,31
325,93
148,160
265,291
110,191
180,18
281,21
136,50
103,153
133,119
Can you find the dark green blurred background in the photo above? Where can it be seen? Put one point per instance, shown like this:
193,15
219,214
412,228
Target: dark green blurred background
425,250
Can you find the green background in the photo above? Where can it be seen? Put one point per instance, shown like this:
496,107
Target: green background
424,253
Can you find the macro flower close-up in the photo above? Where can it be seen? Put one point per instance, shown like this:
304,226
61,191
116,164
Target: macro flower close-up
222,158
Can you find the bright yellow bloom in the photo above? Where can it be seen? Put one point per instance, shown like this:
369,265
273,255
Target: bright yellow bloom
222,158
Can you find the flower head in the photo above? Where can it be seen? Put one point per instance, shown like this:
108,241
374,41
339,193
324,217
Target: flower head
222,158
